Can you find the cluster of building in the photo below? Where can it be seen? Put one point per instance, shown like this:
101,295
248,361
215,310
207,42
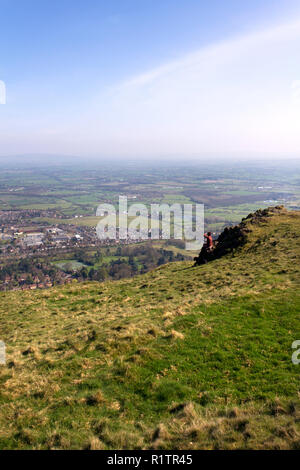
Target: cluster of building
22,282
24,239
51,235
25,281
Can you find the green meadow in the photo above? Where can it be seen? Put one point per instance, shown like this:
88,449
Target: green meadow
182,357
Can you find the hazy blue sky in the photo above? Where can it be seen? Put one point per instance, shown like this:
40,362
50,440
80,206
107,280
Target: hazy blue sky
150,77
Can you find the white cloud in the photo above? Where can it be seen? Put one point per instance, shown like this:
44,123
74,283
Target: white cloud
230,96
220,52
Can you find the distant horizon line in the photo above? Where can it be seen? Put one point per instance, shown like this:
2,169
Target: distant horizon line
233,156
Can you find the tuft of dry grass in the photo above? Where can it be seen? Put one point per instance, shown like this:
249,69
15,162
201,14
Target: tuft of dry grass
95,444
95,399
175,335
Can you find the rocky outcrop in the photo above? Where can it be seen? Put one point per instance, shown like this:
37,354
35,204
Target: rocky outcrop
235,237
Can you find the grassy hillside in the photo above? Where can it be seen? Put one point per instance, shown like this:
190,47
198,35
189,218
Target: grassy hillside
181,357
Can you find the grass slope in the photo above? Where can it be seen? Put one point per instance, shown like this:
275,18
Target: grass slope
181,357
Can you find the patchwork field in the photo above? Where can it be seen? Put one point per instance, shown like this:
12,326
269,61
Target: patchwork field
229,193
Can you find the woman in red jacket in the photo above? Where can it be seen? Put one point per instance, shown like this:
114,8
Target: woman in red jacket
209,241
207,248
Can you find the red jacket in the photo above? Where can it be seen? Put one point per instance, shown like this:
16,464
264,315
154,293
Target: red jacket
209,241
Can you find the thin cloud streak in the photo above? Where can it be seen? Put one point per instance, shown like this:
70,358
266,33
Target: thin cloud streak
223,49
233,96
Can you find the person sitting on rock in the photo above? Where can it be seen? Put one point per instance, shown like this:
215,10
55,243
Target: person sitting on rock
209,242
206,249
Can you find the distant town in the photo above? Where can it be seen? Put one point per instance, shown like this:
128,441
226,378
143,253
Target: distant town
31,250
